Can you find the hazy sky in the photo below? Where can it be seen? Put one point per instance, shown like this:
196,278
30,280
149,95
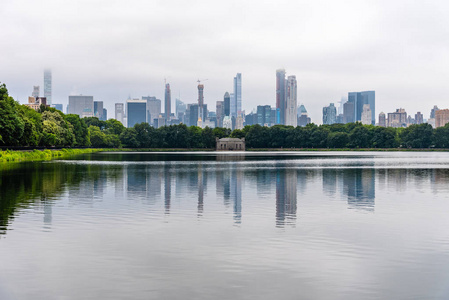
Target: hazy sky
113,49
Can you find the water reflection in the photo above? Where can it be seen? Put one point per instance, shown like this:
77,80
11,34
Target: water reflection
41,185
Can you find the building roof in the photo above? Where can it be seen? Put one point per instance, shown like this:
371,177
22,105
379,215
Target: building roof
230,140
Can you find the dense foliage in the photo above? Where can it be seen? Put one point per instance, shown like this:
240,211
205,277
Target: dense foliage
48,127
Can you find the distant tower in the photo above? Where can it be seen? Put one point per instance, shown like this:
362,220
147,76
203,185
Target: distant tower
227,104
238,95
200,102
291,102
280,96
47,86
167,101
36,91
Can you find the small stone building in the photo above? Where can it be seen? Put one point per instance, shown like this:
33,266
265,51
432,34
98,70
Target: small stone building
230,144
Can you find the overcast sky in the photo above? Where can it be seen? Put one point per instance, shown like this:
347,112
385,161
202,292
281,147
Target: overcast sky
115,49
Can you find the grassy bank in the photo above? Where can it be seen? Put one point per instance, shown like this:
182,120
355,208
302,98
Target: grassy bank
40,155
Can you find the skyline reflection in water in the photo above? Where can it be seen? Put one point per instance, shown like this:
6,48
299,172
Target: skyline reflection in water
325,227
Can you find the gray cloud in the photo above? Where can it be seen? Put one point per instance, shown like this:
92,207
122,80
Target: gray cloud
113,49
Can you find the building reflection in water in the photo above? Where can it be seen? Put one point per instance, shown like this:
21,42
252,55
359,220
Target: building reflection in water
359,186
167,188
286,193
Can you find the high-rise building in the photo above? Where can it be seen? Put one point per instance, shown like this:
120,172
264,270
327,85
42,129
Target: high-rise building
238,94
366,115
227,104
280,96
441,117
180,107
57,106
291,102
397,119
48,86
219,109
105,114
329,114
153,108
264,115
98,110
233,105
432,112
419,118
382,120
167,101
36,91
348,112
81,105
119,112
201,116
361,98
136,111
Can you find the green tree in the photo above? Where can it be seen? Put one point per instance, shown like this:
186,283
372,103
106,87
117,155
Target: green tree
80,129
337,139
56,131
441,136
12,125
128,138
417,136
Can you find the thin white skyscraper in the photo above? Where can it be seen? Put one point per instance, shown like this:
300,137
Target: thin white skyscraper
47,86
291,102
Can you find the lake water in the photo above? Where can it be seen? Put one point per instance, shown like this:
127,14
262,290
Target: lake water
284,225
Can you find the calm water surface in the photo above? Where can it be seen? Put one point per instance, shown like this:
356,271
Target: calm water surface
310,225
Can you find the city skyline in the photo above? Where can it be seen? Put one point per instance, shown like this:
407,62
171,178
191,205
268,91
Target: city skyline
396,49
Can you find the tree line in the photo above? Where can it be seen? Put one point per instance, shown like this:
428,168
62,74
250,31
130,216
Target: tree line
48,127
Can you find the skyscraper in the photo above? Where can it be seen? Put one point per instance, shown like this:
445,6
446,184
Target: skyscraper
366,115
382,120
119,112
361,98
419,118
201,116
167,101
180,108
329,114
36,91
98,110
232,106
227,104
153,108
291,102
280,96
220,113
136,111
237,94
81,105
47,86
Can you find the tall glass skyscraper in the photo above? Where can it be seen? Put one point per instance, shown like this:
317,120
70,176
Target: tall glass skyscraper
280,96
167,101
237,94
361,98
47,86
227,104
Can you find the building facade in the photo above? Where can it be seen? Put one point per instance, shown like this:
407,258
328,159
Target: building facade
153,108
36,91
397,119
441,117
329,114
136,112
291,101
366,115
237,94
167,101
119,112
382,120
48,86
358,99
419,118
280,96
82,106
230,144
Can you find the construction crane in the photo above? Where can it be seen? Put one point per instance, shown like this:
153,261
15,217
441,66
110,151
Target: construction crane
200,80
